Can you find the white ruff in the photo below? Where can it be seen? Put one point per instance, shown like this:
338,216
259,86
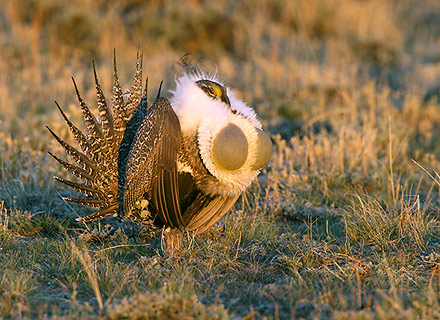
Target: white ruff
233,181
244,110
197,111
192,105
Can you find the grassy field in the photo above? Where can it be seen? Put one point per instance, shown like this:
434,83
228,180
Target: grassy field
343,223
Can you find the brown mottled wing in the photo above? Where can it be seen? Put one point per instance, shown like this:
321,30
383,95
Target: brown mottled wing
206,210
147,164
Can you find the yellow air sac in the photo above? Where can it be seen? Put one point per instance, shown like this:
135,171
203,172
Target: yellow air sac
264,151
230,148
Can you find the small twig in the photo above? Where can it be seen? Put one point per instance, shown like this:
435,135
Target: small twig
238,247
333,273
124,245
435,179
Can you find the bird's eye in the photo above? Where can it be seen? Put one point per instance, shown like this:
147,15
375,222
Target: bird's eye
211,92
214,90
211,88
217,92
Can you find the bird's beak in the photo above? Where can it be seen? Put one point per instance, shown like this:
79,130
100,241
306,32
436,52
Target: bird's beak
227,101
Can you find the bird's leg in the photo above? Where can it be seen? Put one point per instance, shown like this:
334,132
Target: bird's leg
171,241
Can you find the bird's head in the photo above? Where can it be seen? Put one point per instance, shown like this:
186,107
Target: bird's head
232,145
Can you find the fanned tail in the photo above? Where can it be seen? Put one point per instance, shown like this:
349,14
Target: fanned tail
124,104
96,163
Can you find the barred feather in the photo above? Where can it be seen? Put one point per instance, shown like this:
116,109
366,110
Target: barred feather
135,94
80,158
92,125
89,202
76,171
104,113
100,214
81,187
78,135
97,162
118,105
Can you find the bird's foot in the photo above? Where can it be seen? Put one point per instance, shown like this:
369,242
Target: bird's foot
171,242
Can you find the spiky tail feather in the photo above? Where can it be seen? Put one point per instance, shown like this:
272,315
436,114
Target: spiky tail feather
97,163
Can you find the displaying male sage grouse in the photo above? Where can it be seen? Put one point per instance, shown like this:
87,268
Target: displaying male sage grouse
179,164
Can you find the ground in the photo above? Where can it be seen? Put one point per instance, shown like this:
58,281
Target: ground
343,223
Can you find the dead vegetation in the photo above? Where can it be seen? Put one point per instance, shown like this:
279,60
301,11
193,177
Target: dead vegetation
341,224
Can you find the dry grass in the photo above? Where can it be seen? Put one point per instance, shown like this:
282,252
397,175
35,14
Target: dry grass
341,224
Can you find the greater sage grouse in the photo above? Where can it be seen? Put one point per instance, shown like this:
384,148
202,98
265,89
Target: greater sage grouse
178,164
